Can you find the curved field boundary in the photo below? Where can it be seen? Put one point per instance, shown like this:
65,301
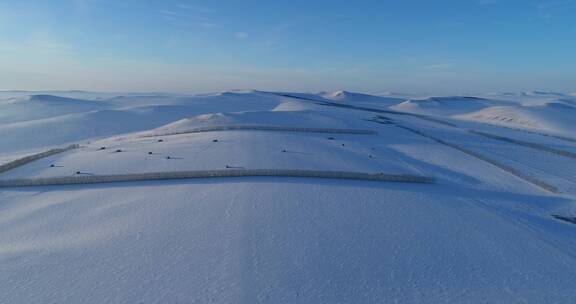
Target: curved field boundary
28,159
74,180
526,144
266,128
542,185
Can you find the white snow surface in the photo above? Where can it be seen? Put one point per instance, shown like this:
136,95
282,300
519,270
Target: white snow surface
445,105
544,112
556,117
478,235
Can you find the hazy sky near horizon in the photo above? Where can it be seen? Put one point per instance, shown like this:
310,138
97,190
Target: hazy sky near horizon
372,46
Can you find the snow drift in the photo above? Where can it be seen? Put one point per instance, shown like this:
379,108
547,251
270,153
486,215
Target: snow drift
446,106
556,117
489,230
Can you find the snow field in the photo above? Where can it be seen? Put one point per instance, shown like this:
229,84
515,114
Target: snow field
477,235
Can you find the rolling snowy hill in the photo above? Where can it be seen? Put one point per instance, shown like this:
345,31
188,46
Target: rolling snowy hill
550,113
489,224
556,117
446,106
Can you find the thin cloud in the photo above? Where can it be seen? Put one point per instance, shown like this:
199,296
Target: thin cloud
241,35
189,15
196,8
487,2
440,66
37,42
547,9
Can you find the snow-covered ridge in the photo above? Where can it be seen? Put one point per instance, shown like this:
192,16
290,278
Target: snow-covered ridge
556,117
446,106
360,98
82,115
147,210
56,99
271,118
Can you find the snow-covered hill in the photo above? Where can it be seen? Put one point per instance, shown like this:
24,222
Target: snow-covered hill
16,109
346,96
556,116
494,227
35,122
446,106
550,113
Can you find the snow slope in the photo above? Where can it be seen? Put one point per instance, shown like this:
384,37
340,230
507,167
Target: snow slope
346,96
481,234
557,117
32,107
271,118
445,106
545,112
74,121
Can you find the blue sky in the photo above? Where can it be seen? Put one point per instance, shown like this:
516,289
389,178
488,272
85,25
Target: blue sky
372,46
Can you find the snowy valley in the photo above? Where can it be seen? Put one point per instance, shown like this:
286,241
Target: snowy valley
282,197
